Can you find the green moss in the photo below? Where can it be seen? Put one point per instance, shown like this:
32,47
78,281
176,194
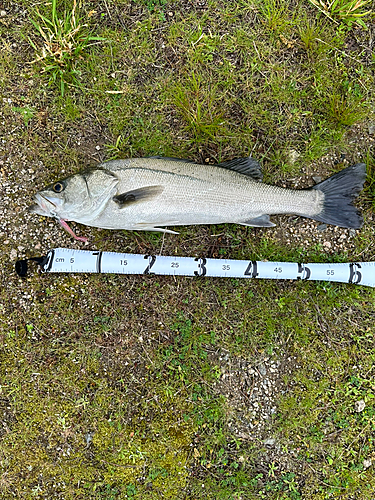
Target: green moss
58,426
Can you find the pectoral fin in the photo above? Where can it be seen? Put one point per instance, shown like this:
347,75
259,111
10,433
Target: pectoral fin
261,221
142,194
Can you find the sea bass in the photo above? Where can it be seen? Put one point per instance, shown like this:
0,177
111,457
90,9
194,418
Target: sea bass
146,194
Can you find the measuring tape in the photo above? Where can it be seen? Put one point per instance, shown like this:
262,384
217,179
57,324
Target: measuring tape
65,260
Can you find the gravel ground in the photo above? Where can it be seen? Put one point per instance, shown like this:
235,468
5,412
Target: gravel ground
251,391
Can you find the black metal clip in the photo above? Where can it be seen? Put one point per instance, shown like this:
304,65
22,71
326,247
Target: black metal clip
21,265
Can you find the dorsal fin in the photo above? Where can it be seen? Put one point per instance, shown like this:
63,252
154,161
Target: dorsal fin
246,166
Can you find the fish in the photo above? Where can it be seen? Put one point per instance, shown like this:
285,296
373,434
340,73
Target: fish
148,194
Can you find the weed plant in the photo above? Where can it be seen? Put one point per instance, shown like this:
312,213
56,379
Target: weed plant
346,11
65,40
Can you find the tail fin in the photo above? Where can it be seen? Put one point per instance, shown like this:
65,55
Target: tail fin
339,192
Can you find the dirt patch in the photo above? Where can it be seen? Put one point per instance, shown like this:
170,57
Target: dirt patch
252,390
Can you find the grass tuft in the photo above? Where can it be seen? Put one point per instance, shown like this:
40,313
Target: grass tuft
346,11
197,106
64,41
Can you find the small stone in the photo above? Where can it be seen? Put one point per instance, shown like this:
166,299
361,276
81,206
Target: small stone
3,13
88,438
359,406
371,129
317,179
97,148
293,156
269,441
327,244
262,369
367,463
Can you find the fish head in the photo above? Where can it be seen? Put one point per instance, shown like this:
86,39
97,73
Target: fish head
79,197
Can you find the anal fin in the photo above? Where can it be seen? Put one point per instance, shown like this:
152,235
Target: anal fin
261,221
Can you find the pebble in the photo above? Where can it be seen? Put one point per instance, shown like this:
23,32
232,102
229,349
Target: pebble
359,406
293,156
3,13
262,369
269,441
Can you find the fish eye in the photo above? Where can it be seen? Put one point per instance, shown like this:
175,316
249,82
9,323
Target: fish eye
58,187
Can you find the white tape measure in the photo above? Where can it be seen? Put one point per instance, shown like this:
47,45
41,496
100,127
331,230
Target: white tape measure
65,260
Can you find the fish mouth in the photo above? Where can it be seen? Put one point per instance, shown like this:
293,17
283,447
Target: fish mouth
43,206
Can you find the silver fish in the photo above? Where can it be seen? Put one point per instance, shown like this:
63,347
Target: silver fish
145,194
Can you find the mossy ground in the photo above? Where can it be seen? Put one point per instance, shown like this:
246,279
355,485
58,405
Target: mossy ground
108,383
